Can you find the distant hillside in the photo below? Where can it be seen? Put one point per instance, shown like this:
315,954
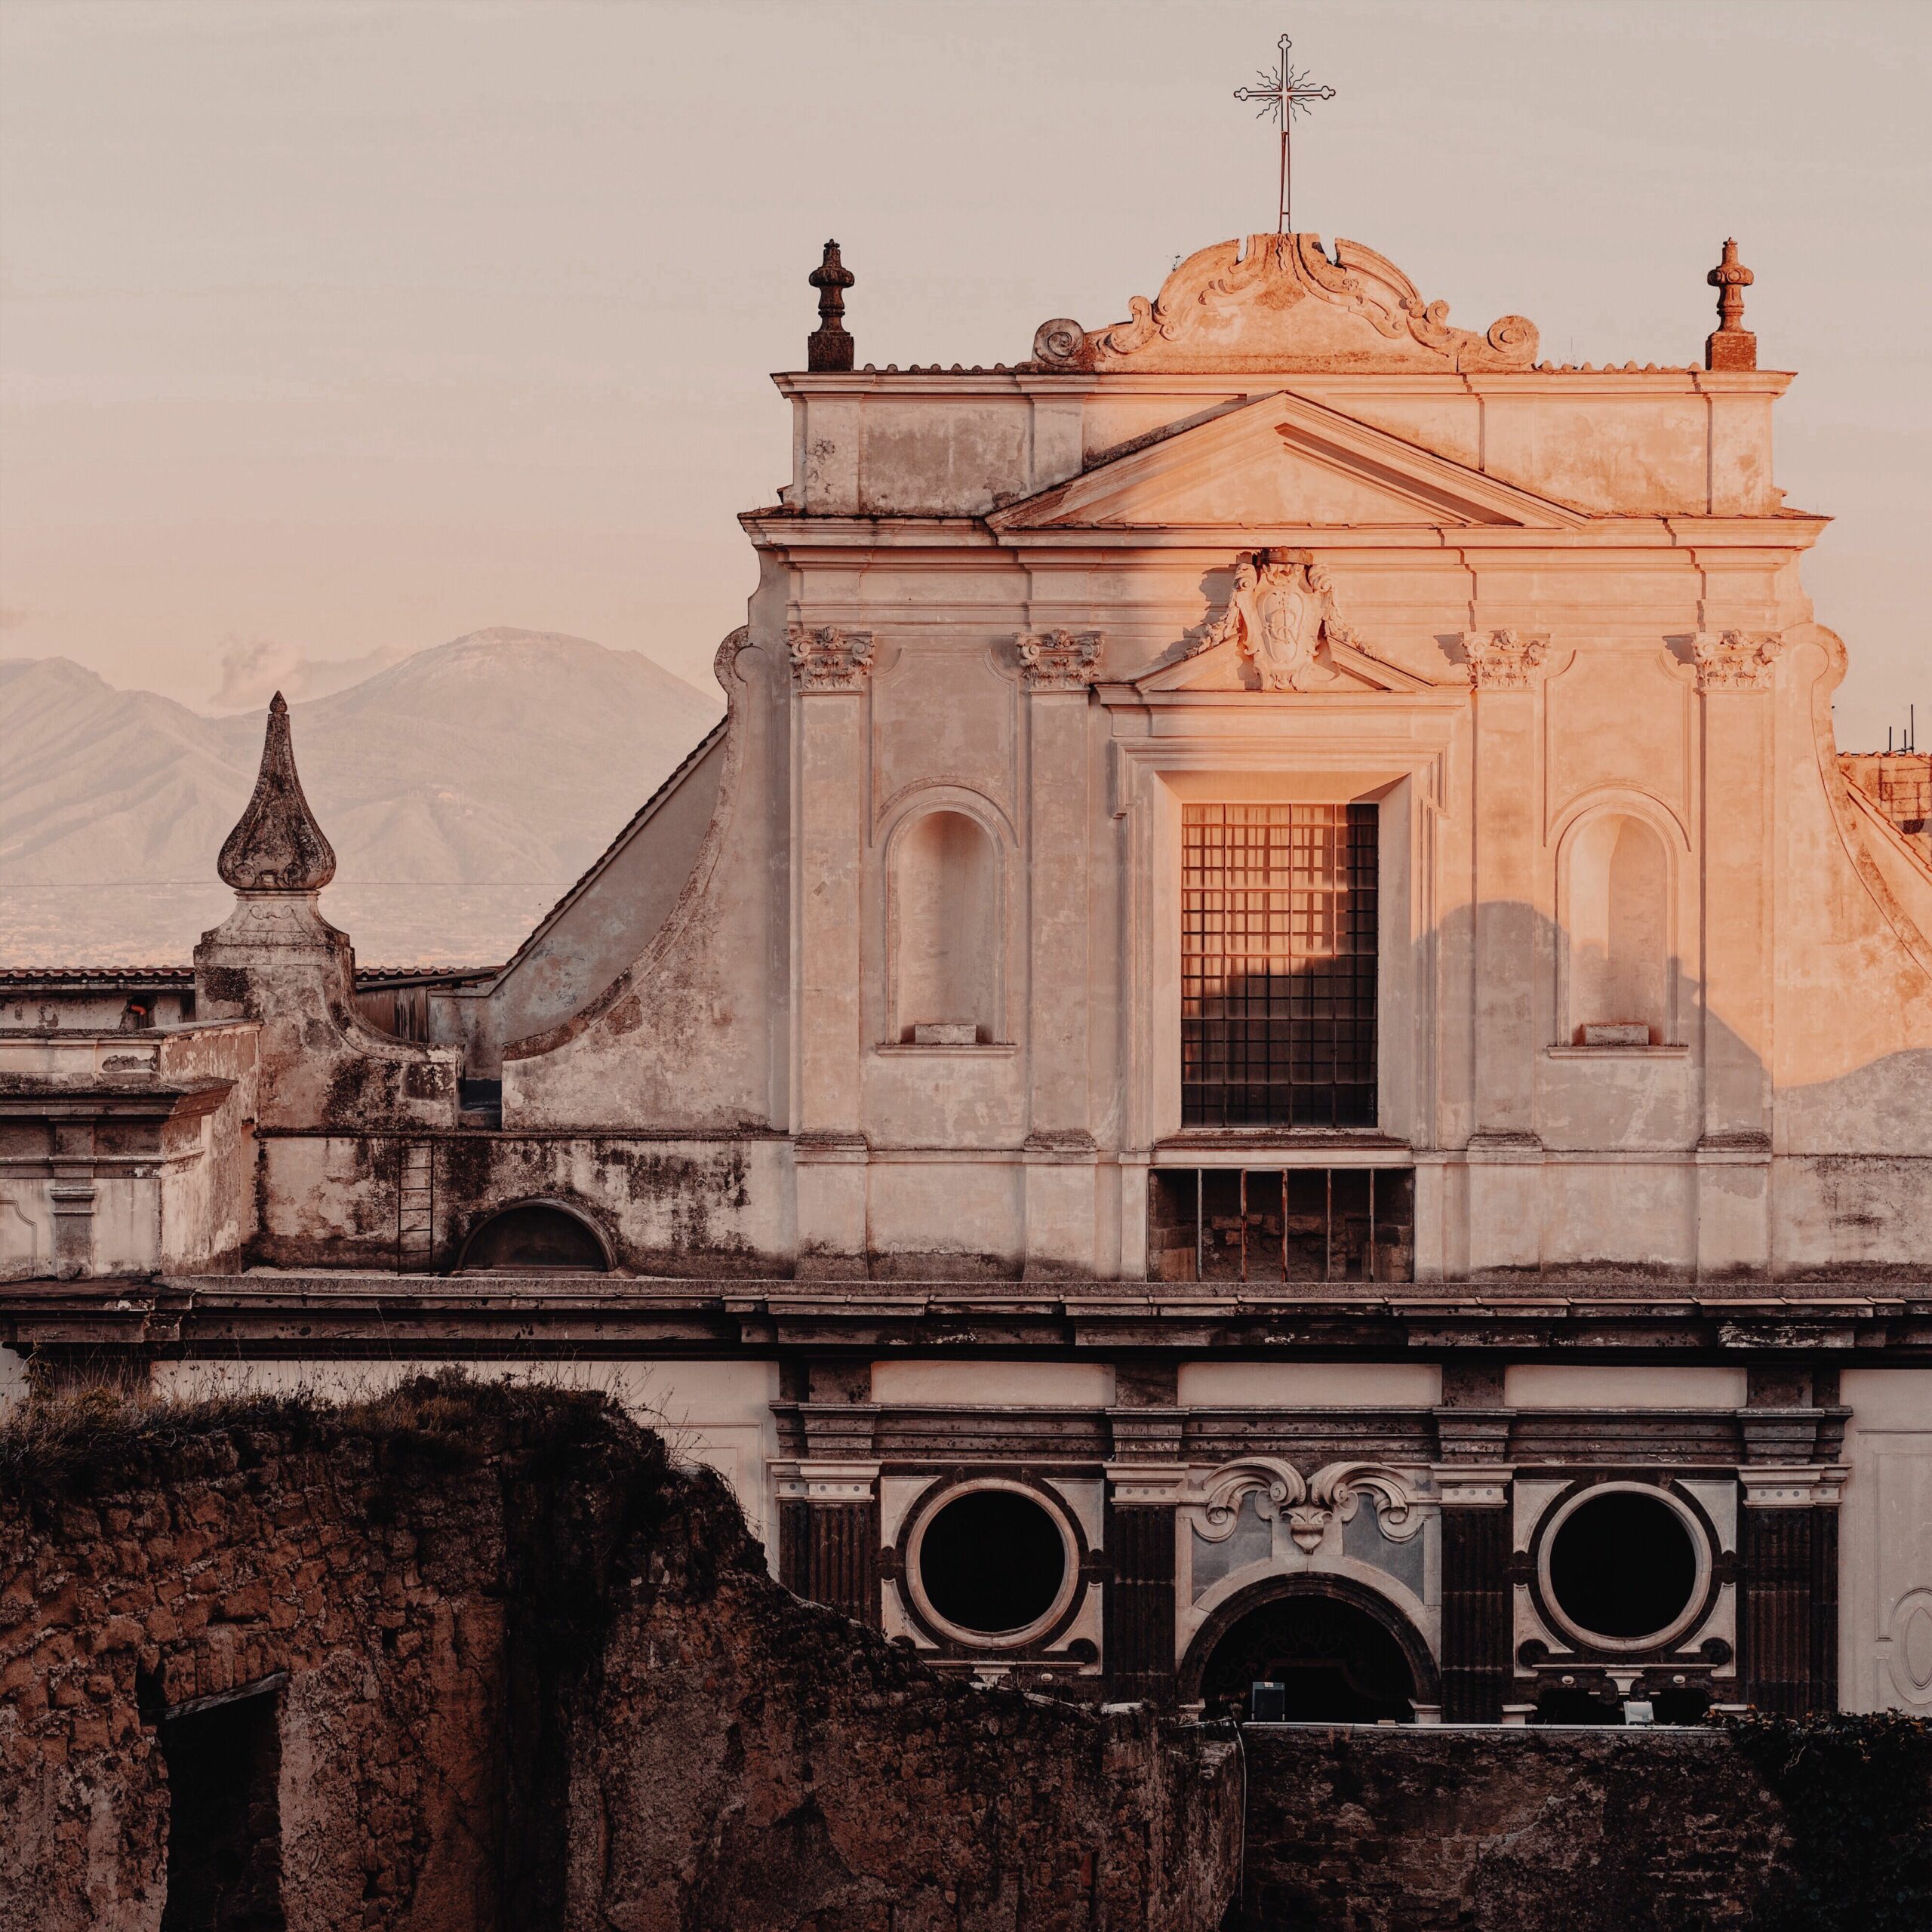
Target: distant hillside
503,761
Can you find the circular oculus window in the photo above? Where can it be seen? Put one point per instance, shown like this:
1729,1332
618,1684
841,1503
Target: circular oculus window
992,1564
1624,1567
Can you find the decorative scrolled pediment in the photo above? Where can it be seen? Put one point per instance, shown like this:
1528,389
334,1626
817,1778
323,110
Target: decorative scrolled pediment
1284,303
1275,1484
1306,1504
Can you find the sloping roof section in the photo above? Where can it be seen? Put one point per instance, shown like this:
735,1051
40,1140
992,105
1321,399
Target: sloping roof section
634,825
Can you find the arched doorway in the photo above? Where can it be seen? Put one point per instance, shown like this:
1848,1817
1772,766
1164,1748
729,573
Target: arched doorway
1343,1654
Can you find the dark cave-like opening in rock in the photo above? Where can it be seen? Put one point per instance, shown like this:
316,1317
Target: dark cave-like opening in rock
224,1825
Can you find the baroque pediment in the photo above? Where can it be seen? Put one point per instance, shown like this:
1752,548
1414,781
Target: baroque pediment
1283,303
1282,463
1282,629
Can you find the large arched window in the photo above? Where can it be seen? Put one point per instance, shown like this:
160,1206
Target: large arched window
1618,933
945,931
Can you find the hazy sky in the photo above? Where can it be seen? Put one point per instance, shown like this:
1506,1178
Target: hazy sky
333,330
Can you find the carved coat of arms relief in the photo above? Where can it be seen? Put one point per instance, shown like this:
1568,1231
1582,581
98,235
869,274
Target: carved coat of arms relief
1281,611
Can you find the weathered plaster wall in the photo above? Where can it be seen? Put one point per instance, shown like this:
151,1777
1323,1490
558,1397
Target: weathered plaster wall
275,961
605,922
536,1677
713,1205
1668,442
122,1153
208,1208
684,1035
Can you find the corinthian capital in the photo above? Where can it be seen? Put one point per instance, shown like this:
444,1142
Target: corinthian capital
1504,660
825,658
1059,661
1735,660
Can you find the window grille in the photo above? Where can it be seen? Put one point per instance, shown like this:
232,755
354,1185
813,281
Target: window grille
1260,1225
1278,965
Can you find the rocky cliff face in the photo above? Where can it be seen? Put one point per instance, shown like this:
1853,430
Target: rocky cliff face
476,1657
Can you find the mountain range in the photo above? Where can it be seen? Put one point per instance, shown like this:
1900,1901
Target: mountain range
502,762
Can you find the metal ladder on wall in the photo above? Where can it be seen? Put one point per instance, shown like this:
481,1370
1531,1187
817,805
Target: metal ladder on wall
415,1207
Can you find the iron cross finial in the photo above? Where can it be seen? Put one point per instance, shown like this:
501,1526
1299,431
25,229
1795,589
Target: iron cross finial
1283,94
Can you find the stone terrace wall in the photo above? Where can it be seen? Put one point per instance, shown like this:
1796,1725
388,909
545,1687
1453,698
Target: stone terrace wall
536,1677
1610,1830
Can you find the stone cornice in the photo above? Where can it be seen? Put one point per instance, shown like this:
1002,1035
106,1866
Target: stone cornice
361,1313
949,541
1079,385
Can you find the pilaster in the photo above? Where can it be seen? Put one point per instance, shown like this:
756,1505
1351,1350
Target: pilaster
1477,1609
1787,1585
828,1535
1145,1484
1058,668
1736,841
71,1193
831,669
1505,670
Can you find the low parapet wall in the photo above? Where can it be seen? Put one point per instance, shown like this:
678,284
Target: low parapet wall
1815,1826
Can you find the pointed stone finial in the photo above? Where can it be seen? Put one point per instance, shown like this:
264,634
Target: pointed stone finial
276,845
1731,345
828,347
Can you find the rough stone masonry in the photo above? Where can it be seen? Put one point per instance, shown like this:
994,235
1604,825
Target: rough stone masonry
476,1656
511,1668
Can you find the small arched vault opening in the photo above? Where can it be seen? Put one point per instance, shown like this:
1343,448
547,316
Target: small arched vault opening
1343,1652
535,1235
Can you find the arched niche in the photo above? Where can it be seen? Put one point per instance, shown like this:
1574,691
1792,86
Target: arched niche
535,1235
1617,931
946,933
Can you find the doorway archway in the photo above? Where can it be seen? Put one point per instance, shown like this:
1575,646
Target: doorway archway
1343,1654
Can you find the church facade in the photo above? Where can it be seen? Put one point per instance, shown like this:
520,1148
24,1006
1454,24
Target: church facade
1269,1046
